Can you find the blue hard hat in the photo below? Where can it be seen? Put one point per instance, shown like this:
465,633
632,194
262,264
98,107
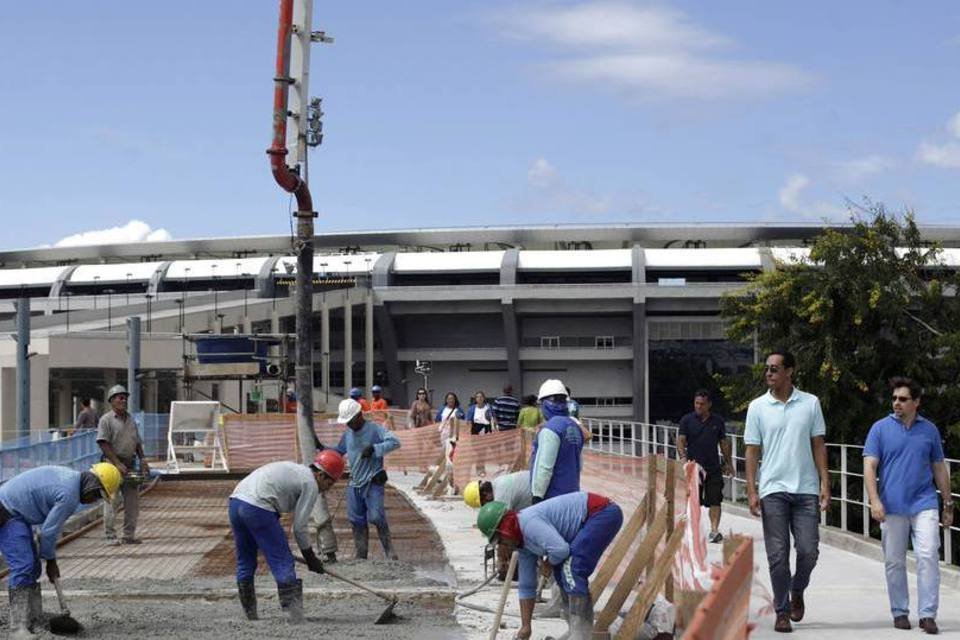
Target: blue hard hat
355,393
376,389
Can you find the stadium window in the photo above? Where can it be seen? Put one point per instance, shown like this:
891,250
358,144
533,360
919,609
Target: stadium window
550,342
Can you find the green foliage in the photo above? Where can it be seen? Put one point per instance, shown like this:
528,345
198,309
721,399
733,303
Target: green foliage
870,304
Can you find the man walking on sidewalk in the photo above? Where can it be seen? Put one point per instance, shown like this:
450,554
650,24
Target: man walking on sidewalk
905,449
701,433
787,426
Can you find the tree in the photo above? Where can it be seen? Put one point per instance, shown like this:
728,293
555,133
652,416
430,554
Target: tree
873,301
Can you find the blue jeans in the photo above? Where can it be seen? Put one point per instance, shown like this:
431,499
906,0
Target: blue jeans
255,528
785,513
588,545
23,560
895,532
365,505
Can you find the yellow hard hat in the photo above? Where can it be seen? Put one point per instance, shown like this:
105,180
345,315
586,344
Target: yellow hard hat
109,477
471,495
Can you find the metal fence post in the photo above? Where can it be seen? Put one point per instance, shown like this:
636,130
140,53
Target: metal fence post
843,487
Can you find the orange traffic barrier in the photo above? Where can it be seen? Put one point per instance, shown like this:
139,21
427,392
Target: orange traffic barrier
723,613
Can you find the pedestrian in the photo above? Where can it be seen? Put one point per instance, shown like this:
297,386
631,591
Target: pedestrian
256,505
119,440
906,451
573,407
42,497
556,455
87,418
571,532
446,416
529,417
357,395
701,433
506,410
786,427
378,402
513,489
421,413
479,415
365,444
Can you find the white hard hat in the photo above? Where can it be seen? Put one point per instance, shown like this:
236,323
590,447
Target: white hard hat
552,387
349,408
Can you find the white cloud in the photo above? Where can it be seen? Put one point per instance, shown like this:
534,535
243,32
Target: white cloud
541,173
790,199
953,125
946,156
859,168
132,232
646,52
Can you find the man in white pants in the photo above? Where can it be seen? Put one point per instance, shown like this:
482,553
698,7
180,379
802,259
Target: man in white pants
906,450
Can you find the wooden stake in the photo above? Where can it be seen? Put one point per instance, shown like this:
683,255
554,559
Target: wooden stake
504,591
652,463
669,493
631,574
621,545
638,612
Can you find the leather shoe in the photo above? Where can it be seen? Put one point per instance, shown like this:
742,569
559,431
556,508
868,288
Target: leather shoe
797,608
929,625
902,622
783,623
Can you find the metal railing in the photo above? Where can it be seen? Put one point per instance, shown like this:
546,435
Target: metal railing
78,452
850,509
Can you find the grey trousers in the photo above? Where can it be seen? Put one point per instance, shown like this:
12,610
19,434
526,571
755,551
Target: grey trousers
322,522
129,496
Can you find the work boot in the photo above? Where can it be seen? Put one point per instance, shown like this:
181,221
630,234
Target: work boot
330,558
361,540
291,600
581,617
797,608
248,599
35,611
20,612
554,607
386,540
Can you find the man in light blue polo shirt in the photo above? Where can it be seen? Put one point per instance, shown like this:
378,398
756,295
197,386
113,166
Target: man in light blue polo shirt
786,425
905,449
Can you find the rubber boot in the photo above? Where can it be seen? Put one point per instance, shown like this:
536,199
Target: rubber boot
35,619
291,601
386,540
581,618
361,540
564,613
248,599
20,612
330,558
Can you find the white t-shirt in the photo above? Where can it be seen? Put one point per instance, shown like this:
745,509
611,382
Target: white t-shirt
481,415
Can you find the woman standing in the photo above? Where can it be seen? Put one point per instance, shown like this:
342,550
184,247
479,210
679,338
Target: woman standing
479,415
421,413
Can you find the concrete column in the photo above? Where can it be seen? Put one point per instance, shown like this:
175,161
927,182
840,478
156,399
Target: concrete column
133,365
151,395
64,404
511,335
368,342
247,325
388,350
23,366
640,361
325,350
348,347
109,379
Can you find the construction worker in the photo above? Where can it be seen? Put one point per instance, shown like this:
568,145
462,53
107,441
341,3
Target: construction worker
378,403
365,444
255,508
357,395
570,532
42,497
513,489
119,440
555,458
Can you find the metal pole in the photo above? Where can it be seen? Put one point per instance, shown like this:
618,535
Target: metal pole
133,365
23,366
368,343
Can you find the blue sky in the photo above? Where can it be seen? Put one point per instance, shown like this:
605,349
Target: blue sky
468,113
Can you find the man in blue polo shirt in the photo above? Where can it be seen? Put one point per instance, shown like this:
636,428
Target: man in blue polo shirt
788,426
905,449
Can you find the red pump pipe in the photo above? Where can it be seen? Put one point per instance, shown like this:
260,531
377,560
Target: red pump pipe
284,175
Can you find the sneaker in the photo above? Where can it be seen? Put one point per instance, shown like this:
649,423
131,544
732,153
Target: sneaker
901,622
715,537
929,625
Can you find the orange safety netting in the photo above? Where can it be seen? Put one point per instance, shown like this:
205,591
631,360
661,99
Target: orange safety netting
253,440
487,455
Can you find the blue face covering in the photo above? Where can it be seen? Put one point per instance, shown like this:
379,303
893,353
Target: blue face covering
552,408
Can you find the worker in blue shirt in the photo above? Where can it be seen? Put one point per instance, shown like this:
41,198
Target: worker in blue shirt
43,497
555,458
365,444
569,533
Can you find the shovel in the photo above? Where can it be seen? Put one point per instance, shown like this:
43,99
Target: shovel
63,624
387,616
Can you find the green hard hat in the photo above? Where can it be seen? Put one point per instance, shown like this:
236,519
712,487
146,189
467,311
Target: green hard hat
489,518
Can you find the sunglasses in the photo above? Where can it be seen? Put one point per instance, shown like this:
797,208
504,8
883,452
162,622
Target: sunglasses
902,398
773,368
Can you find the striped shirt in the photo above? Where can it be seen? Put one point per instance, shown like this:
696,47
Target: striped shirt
506,409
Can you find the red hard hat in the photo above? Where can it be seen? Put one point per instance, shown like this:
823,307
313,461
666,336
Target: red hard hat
330,462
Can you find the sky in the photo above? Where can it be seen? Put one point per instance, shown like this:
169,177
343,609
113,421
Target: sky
136,121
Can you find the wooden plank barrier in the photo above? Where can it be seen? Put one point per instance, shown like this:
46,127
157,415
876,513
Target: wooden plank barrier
723,613
621,545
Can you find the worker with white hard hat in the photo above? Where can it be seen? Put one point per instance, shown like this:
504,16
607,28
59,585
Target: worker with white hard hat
42,497
120,442
555,458
255,508
365,444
